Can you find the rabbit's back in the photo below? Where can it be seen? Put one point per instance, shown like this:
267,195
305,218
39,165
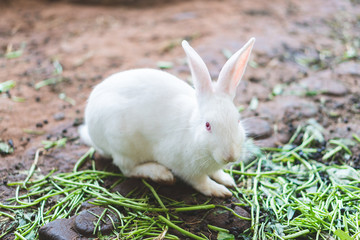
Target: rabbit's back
136,110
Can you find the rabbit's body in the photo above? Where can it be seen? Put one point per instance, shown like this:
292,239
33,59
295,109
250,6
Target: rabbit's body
134,101
153,124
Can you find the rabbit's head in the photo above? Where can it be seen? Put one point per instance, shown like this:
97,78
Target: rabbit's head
218,130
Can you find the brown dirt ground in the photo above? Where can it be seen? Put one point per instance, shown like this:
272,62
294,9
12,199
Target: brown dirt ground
92,41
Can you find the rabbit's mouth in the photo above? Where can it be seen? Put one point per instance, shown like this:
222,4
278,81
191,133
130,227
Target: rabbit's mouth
226,158
230,159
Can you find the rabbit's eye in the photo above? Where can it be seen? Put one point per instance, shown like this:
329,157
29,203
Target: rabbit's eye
208,126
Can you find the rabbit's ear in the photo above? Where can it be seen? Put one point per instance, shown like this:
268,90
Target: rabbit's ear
200,73
233,70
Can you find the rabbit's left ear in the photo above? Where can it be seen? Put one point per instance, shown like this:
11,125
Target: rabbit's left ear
200,73
233,70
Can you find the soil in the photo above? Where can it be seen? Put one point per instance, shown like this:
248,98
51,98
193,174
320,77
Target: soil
305,64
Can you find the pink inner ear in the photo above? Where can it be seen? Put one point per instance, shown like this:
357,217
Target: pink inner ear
240,68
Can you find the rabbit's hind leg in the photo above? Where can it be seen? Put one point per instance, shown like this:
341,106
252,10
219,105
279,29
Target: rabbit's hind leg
152,170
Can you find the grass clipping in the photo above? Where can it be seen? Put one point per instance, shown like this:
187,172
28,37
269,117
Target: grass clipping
294,192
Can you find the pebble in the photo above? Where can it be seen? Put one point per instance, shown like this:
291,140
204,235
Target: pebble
345,68
78,227
325,83
84,222
299,111
60,229
59,116
184,16
257,128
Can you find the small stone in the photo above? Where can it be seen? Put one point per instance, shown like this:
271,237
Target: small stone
300,110
258,128
348,68
335,88
60,229
184,16
324,83
78,122
84,222
59,116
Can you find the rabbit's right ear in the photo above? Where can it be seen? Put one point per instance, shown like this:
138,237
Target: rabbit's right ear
200,73
233,70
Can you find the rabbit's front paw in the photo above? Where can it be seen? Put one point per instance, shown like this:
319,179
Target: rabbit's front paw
223,178
211,188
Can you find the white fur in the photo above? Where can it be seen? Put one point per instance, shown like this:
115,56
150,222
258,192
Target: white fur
153,124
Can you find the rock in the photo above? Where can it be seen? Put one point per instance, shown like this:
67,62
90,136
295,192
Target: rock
87,205
279,138
247,90
184,16
325,83
78,227
257,128
335,88
59,116
298,111
283,106
84,222
60,229
348,68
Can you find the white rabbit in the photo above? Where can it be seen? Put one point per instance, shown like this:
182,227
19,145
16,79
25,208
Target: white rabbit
155,125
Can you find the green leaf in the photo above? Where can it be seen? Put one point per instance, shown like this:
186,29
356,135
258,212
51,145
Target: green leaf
278,89
70,100
253,64
49,81
342,235
18,99
165,65
5,148
6,86
227,53
58,67
350,53
254,103
241,108
310,93
50,144
356,137
225,236
290,213
14,54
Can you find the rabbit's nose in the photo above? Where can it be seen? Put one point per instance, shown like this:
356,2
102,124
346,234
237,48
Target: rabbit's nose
230,159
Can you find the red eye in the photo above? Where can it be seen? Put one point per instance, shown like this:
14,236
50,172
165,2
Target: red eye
208,126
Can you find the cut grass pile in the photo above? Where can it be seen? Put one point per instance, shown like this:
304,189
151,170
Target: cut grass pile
293,192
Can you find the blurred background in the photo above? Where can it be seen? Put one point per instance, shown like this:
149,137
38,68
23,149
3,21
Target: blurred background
305,63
